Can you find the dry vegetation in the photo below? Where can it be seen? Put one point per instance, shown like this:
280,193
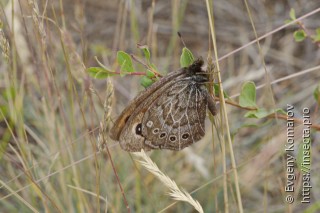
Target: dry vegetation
51,110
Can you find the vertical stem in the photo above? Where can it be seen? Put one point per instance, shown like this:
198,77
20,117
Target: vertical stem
224,111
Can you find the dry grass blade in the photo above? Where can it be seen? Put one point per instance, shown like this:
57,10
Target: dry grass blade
175,192
224,123
90,193
18,196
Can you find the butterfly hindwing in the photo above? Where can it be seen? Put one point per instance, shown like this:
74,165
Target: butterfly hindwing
176,119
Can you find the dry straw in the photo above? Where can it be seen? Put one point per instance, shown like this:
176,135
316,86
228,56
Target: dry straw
4,44
175,192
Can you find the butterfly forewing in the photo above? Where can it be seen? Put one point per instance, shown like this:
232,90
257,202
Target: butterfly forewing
129,135
136,103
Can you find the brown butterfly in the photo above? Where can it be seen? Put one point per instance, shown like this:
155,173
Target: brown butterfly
170,114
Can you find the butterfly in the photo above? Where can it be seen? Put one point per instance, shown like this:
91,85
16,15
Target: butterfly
170,114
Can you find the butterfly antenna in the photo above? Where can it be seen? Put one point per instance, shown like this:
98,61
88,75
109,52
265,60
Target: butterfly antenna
181,39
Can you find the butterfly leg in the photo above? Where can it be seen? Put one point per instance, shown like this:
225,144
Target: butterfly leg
211,105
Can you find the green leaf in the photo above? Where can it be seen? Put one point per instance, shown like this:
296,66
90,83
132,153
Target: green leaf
248,95
145,81
249,125
262,113
154,67
304,156
299,35
316,94
316,37
217,91
186,58
292,14
145,51
125,61
280,111
150,74
259,113
99,72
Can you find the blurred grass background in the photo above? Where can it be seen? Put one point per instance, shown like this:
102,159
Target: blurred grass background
51,109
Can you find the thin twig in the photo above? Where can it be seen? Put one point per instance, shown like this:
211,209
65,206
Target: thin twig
273,115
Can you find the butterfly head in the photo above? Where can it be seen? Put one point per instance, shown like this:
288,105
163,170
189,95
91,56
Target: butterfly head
196,71
195,67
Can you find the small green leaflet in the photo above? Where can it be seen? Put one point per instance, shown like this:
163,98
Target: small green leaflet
125,61
217,91
145,81
292,14
150,74
145,51
299,35
248,95
186,58
262,113
316,38
99,72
